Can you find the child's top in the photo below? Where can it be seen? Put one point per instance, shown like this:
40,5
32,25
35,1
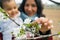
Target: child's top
7,26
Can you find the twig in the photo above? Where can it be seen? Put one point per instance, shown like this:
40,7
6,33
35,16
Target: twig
1,10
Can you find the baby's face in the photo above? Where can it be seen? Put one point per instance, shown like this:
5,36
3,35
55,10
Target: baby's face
11,8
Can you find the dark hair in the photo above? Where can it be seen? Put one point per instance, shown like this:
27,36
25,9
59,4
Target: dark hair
2,1
39,7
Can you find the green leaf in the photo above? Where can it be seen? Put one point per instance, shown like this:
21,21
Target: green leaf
28,25
18,35
22,31
11,32
59,33
3,11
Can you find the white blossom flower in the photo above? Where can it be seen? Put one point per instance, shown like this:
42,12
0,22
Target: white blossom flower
36,18
27,21
2,17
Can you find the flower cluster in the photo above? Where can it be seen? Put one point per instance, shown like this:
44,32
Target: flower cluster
28,29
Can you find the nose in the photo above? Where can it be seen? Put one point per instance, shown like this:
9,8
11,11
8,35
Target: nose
13,10
29,8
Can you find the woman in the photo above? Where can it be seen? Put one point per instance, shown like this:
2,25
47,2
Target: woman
32,9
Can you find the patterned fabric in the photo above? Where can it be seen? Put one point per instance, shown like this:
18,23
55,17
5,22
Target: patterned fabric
7,26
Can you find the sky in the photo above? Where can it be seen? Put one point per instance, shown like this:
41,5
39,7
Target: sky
43,1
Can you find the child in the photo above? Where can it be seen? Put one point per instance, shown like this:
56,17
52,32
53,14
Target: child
12,11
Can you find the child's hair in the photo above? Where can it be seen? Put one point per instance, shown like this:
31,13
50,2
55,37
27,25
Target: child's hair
2,1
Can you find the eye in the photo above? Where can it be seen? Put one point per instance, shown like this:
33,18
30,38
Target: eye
15,7
27,5
8,8
33,5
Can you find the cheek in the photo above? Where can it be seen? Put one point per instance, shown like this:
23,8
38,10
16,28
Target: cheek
17,11
25,9
8,12
35,10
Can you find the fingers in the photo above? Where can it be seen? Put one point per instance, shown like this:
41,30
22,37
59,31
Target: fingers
38,20
45,22
41,20
50,27
50,22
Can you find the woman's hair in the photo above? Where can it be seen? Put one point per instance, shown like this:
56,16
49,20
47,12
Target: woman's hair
39,7
2,1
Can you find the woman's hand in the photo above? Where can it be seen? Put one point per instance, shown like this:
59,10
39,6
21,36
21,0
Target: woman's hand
46,24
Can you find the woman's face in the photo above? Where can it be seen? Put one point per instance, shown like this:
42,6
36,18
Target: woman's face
30,7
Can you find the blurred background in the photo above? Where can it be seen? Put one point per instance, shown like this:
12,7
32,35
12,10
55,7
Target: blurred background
52,11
